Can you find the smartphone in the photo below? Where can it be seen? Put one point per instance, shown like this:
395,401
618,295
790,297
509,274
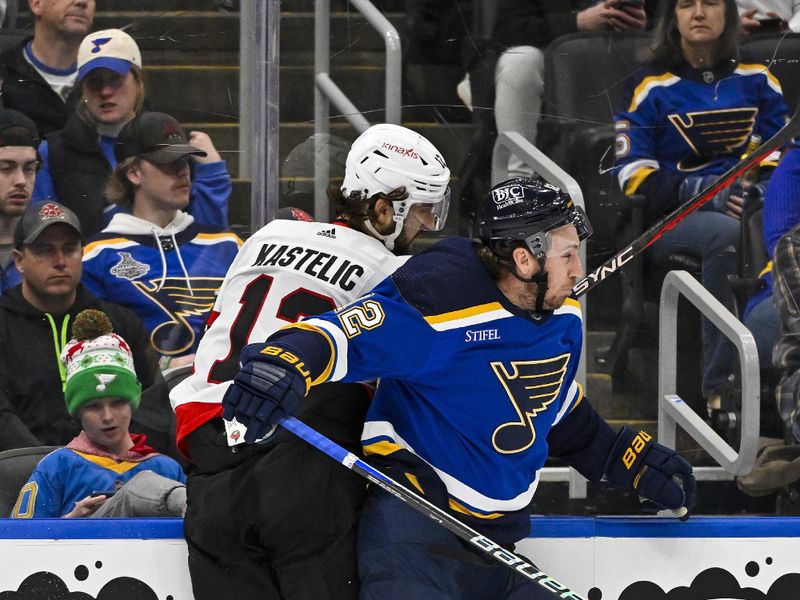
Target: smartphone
623,4
107,493
769,23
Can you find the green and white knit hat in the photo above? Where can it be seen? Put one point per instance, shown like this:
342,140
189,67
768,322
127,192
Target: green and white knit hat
99,363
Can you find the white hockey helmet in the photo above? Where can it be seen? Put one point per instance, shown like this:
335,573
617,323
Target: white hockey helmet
386,157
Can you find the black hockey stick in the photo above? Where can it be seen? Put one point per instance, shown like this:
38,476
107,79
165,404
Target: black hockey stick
667,222
513,561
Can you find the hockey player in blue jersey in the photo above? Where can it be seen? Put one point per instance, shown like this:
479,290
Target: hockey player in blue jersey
476,348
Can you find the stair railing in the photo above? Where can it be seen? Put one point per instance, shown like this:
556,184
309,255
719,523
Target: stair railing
327,92
672,411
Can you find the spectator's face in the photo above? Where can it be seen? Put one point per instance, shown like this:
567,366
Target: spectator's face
106,422
51,266
109,96
700,21
68,17
166,186
17,175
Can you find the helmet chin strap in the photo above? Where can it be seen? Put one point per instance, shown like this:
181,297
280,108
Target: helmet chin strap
388,240
540,279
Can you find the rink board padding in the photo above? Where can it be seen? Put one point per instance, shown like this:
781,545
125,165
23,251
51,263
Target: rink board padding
604,558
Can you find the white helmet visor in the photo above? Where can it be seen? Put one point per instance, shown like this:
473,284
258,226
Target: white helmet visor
424,216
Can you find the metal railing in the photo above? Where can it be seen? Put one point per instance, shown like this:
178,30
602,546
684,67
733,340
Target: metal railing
327,92
673,412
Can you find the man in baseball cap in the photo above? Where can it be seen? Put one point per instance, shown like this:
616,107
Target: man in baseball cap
39,217
156,137
110,49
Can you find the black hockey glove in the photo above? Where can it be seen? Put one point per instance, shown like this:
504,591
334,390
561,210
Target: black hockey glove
656,472
268,387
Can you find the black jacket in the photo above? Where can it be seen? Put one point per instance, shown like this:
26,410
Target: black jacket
25,90
32,409
79,171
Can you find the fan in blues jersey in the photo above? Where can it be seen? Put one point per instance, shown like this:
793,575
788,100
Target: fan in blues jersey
476,347
692,112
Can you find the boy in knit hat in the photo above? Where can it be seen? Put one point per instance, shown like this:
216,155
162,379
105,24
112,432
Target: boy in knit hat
105,471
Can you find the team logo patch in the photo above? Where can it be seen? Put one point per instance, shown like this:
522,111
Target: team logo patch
51,210
508,196
713,133
128,267
532,386
98,44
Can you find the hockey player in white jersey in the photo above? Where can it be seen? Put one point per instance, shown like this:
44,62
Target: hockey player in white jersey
278,520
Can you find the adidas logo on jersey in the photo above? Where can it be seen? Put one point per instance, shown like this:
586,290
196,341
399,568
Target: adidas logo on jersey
331,233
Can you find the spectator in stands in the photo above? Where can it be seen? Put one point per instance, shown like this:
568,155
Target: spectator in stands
781,213
689,117
782,236
524,28
769,16
156,260
34,321
105,471
38,75
78,159
18,164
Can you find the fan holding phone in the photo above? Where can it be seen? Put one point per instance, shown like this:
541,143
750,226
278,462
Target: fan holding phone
522,30
769,16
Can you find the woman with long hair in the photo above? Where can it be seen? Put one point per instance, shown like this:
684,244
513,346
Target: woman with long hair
692,112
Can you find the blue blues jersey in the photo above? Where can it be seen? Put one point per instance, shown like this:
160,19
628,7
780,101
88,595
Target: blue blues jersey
470,385
168,277
686,121
66,476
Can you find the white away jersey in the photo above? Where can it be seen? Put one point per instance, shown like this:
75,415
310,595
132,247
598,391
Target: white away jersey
286,271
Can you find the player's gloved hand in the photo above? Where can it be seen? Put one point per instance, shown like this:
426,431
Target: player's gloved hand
656,472
267,388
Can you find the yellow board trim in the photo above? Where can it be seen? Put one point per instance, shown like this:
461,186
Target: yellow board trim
464,313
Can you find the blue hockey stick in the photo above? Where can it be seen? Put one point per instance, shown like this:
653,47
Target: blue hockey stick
351,461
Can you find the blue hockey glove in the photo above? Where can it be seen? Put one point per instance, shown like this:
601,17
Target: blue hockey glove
656,472
268,387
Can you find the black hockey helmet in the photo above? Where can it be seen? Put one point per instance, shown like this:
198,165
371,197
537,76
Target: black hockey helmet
525,209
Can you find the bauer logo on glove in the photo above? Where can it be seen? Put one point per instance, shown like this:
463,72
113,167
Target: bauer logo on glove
658,474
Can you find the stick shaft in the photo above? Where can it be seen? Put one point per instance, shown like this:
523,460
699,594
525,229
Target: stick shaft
670,220
465,532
